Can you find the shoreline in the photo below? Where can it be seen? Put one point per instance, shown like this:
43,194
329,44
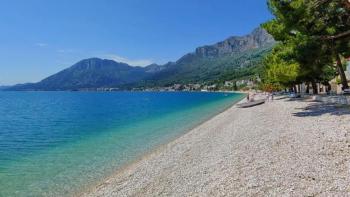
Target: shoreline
150,153
157,149
287,147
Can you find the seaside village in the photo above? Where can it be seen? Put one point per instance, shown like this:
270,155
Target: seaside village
245,85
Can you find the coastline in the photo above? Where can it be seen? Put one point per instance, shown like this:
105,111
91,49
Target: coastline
281,148
79,164
129,165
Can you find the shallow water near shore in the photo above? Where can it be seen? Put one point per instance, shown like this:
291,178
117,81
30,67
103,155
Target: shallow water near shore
60,143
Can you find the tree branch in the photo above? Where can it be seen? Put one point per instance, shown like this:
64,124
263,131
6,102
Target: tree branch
335,37
319,2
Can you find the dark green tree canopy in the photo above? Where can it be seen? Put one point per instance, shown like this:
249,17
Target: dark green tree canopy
316,34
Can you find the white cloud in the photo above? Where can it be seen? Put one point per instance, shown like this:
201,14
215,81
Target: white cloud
117,58
39,44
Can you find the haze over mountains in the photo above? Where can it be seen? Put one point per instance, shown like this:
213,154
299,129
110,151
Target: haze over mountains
233,58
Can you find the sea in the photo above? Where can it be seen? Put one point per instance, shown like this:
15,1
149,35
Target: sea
62,143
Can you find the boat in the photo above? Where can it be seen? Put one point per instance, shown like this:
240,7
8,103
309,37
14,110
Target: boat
251,103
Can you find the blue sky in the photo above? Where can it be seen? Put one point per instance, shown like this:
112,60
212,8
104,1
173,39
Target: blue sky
41,37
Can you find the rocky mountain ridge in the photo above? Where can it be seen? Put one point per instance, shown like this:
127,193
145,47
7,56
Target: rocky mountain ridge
206,63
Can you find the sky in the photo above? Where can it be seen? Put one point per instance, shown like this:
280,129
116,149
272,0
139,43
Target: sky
41,37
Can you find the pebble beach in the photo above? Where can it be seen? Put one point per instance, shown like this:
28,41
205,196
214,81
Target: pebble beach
282,148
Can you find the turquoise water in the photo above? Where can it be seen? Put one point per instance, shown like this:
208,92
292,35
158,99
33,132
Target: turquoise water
60,143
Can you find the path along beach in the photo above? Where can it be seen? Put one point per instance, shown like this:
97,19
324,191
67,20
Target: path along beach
285,147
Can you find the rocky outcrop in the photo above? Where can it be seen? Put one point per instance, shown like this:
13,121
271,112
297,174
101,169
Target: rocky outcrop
235,44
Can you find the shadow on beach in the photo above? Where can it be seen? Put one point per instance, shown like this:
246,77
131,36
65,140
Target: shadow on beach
319,108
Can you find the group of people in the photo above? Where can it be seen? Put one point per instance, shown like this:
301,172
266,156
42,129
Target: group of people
269,97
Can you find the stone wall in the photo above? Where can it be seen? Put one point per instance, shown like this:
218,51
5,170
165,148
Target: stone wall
339,99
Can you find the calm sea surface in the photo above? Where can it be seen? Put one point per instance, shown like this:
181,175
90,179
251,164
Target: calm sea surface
60,143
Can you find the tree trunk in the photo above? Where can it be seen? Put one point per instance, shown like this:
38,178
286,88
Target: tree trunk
314,87
343,79
307,89
327,86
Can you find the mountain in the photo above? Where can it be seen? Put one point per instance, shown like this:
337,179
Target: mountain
235,57
257,39
89,73
3,87
153,68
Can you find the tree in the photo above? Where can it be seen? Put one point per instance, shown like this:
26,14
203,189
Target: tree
280,67
319,28
335,29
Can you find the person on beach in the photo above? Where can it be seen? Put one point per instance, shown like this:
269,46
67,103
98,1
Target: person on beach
271,96
251,96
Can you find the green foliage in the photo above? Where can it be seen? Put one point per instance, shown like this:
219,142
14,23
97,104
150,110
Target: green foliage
308,32
280,68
